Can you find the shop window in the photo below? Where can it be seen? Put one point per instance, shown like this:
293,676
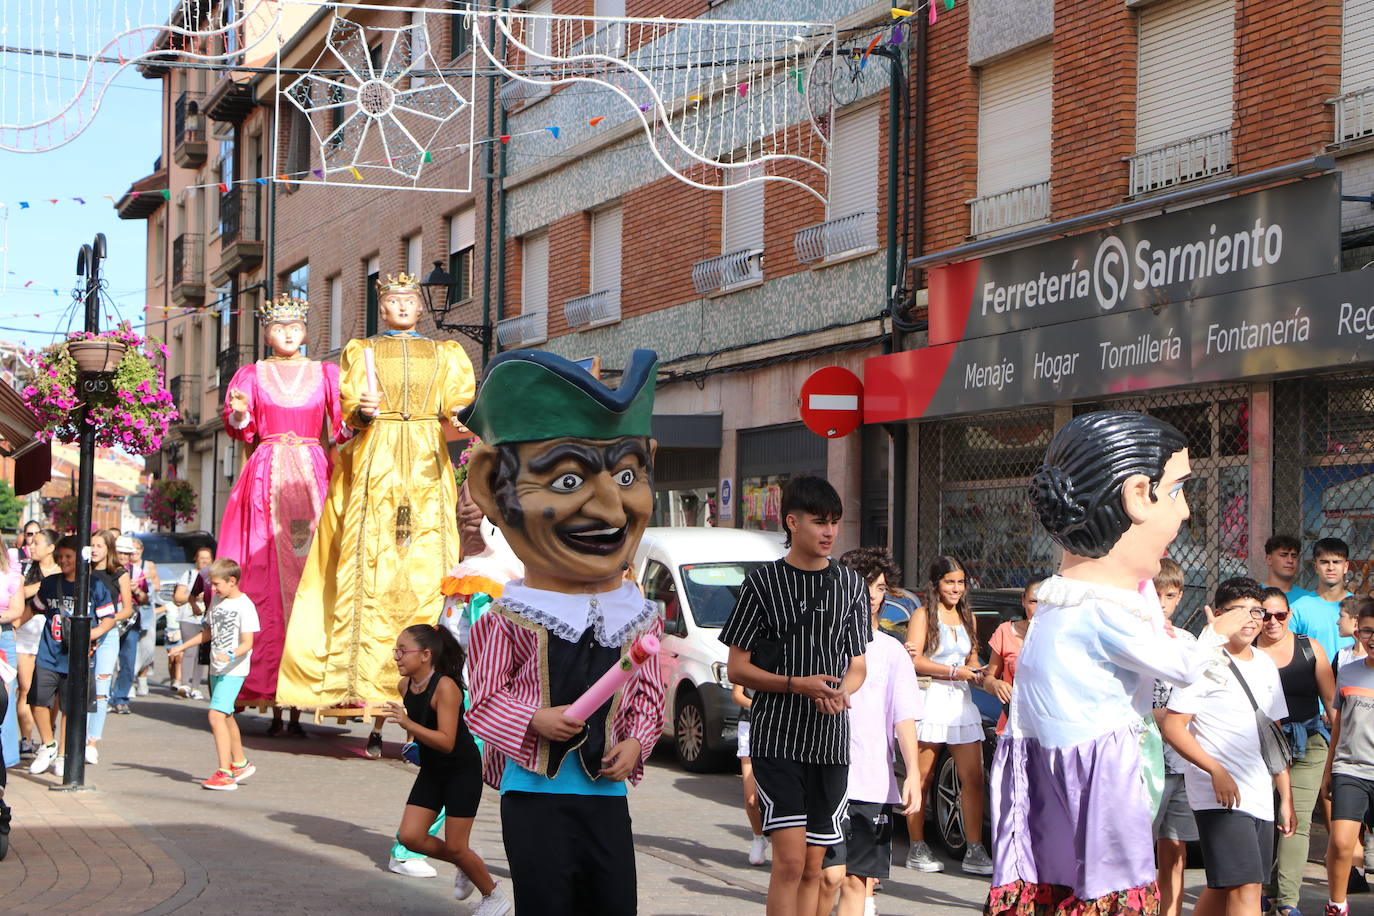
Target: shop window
768,459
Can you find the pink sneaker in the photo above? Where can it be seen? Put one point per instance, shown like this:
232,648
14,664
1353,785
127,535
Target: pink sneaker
222,781
240,773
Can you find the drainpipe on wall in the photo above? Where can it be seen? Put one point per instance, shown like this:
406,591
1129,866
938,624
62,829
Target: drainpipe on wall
489,205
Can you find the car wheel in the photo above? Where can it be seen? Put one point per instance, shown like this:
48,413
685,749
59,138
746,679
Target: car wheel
949,814
689,735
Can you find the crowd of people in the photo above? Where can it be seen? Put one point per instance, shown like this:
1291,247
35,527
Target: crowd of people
1249,757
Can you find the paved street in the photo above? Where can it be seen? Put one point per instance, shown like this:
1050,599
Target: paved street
308,834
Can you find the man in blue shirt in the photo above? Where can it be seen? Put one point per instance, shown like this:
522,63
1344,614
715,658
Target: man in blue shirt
1281,556
1318,615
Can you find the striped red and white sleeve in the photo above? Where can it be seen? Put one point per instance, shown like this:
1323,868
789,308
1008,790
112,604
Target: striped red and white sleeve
641,710
504,699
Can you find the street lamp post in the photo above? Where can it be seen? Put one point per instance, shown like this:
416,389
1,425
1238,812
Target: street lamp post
78,626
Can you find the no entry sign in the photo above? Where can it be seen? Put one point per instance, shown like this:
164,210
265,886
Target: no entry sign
832,402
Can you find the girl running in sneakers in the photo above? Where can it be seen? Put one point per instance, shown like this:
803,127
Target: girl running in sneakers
450,779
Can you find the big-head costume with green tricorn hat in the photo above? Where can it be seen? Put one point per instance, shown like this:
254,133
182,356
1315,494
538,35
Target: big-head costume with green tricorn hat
565,472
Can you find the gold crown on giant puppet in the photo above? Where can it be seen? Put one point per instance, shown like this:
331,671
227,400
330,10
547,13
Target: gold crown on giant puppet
401,283
284,307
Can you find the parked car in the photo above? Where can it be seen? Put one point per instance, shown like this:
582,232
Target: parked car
174,554
694,575
991,607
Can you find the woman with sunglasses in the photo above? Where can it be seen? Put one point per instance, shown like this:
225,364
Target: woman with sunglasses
1308,687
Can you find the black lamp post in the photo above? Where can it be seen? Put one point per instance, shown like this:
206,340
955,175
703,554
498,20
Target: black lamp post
437,284
78,626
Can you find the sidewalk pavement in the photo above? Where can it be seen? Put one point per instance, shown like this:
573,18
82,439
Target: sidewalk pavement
309,834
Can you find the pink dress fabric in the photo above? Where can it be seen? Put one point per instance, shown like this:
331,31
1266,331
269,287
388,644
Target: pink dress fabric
275,503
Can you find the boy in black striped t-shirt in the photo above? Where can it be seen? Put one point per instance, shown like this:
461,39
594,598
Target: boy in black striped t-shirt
814,613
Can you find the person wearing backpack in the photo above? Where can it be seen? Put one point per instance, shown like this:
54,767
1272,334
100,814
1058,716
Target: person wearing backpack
797,636
1225,729
1309,686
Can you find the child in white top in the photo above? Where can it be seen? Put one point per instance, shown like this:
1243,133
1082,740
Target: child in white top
1213,725
230,625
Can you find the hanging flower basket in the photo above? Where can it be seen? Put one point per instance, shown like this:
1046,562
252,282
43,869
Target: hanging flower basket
97,356
169,502
130,408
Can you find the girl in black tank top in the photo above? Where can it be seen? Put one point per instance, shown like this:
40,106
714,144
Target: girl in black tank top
450,778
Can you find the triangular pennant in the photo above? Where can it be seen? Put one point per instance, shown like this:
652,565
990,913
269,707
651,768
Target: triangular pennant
743,89
898,13
505,138
429,157
80,200
23,205
318,173
949,5
593,122
357,175
553,130
223,188
166,194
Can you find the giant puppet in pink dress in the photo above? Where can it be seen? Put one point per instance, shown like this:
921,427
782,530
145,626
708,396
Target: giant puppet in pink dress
280,407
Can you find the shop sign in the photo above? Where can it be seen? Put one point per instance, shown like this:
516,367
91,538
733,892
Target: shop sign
1240,243
725,510
1314,323
831,402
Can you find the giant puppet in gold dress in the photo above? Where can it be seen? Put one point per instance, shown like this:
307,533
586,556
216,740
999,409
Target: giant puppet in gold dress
388,532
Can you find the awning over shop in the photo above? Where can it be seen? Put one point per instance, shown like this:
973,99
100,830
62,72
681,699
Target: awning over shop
687,430
18,427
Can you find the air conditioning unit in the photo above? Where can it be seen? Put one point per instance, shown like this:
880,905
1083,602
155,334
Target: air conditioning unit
229,460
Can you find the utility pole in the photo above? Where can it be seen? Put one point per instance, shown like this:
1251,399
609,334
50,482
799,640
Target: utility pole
78,635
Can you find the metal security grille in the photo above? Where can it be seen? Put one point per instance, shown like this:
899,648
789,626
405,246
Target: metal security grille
972,497
1324,467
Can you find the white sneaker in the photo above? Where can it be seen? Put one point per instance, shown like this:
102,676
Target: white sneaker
758,850
977,861
494,904
42,761
92,755
462,886
143,685
920,858
412,868
870,906
195,695
59,766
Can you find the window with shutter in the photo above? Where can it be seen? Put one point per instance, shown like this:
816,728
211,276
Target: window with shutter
1014,111
534,274
852,211
414,255
1355,107
605,264
335,313
742,227
1187,66
462,244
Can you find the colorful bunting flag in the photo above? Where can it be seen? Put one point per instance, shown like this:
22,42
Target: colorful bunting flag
593,122
554,131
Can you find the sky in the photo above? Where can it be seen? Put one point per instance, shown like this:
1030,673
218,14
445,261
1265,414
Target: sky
42,242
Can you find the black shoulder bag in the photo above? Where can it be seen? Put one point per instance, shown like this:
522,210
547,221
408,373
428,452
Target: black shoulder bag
767,653
1274,746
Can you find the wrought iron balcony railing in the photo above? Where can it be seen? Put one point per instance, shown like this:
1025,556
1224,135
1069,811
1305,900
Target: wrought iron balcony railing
1187,160
186,392
1016,207
727,270
188,259
523,330
838,236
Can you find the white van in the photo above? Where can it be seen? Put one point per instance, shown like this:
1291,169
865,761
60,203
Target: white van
694,575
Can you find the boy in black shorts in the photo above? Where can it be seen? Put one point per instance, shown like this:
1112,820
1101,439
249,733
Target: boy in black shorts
1213,725
797,636
1349,779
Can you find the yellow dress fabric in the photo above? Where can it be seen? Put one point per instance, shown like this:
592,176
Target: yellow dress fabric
388,533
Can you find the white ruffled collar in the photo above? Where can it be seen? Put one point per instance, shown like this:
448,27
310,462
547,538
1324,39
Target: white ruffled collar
615,616
1064,592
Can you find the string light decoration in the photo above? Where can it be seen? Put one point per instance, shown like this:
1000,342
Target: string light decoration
60,56
366,90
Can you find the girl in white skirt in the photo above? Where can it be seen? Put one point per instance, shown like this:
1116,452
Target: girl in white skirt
943,642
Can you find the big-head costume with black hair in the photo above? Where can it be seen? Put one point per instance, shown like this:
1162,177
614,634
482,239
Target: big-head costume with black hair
1076,778
565,471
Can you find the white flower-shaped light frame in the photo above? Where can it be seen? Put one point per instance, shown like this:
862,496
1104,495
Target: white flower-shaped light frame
368,97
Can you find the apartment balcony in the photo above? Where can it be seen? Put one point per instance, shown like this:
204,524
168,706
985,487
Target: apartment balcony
728,270
144,196
1187,160
592,311
186,391
231,359
188,270
523,330
240,231
230,102
835,237
1008,209
1354,115
609,40
190,147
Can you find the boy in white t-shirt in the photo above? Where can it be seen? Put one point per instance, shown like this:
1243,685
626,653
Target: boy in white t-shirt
1212,725
230,624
